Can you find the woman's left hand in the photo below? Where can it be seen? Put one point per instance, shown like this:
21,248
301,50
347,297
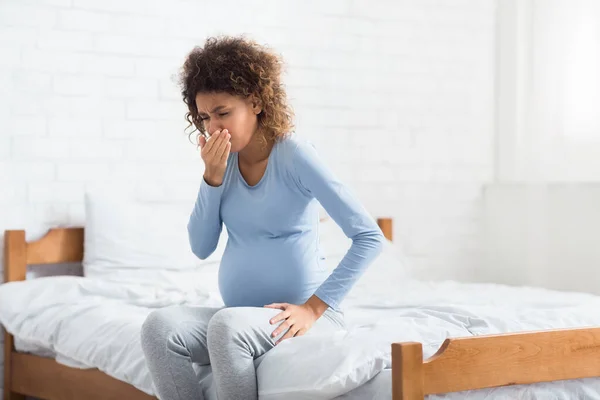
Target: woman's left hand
298,319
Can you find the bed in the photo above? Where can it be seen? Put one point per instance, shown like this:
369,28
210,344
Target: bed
456,356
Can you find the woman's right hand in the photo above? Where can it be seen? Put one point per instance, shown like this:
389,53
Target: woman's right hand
214,153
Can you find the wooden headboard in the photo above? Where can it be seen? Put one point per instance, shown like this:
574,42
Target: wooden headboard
65,245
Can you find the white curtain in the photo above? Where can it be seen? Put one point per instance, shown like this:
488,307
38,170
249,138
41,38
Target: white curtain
541,218
554,69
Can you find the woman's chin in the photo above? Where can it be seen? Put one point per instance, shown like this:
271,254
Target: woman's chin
235,147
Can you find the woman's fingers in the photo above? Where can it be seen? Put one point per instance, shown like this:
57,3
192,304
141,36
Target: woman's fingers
280,317
201,141
300,332
289,334
226,152
213,141
215,150
223,140
282,327
281,306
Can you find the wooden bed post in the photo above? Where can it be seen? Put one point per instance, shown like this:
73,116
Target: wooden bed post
15,268
15,256
407,371
385,224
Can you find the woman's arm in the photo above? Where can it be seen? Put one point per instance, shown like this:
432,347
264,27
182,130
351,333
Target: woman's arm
205,224
316,179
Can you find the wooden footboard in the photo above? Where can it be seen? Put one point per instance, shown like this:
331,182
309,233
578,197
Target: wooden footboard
495,360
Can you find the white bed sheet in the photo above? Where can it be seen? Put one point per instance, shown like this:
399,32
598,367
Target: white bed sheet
89,323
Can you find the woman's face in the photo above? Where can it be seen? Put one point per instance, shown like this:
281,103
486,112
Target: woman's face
238,115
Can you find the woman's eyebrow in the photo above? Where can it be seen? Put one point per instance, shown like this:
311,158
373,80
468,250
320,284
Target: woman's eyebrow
218,108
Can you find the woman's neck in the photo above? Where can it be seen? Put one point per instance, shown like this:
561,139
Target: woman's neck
255,151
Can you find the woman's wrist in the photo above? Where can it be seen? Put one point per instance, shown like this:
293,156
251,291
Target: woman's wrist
212,181
316,305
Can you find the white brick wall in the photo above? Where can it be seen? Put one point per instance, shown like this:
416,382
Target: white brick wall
399,96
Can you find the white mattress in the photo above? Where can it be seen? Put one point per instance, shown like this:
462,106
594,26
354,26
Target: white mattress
86,323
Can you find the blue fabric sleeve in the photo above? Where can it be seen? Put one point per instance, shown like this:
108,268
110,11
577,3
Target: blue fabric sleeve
205,224
315,179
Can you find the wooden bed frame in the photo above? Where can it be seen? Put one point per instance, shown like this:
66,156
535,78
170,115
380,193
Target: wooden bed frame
460,364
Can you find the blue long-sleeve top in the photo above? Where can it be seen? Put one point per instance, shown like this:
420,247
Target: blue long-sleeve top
273,253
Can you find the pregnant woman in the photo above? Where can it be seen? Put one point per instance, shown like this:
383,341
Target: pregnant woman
264,184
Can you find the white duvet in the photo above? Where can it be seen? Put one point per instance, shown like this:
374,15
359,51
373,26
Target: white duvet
91,323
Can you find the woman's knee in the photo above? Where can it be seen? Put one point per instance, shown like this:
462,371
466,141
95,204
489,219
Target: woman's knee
222,321
238,324
156,328
171,329
226,324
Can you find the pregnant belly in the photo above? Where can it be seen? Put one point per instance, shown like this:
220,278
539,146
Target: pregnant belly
259,275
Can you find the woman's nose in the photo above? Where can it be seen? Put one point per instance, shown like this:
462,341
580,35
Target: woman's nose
211,127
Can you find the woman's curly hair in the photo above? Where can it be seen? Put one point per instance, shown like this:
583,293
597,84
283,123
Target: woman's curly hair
241,67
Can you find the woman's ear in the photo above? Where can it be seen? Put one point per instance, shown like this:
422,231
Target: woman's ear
256,105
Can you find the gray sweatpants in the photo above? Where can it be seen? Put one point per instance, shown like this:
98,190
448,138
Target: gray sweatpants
229,339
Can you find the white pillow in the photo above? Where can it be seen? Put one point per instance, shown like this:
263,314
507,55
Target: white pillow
132,242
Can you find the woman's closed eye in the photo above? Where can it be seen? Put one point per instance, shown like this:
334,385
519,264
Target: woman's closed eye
221,115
